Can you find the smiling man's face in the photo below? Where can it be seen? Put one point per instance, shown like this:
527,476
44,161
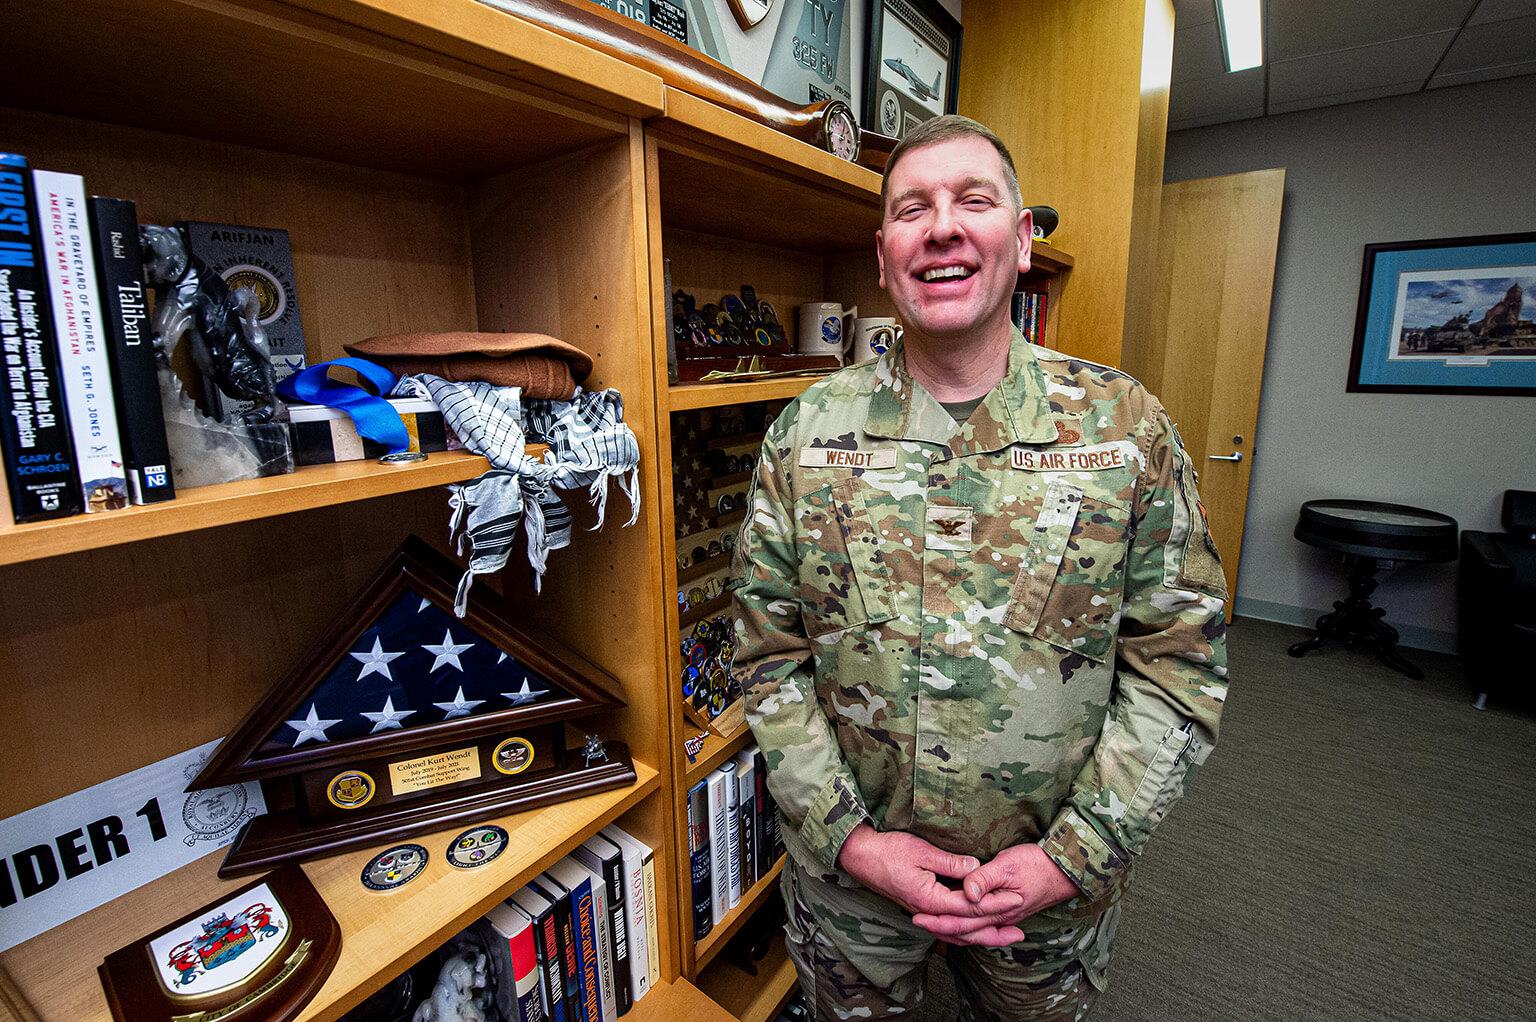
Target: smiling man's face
951,244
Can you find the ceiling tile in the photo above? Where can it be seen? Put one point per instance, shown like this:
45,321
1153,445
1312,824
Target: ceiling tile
1482,74
1222,118
1337,98
1363,67
1197,53
1501,10
1193,12
1494,44
1299,28
1206,97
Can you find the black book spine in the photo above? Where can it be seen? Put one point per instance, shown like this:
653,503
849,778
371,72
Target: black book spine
613,876
746,823
34,428
570,975
761,837
135,383
698,860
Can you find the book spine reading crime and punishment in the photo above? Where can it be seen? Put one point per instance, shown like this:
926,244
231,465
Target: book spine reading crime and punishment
35,439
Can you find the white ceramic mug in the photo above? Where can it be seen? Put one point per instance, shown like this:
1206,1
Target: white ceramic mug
825,328
872,335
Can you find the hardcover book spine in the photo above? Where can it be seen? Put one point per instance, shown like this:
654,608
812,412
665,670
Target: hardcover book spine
515,930
719,848
583,909
605,859
698,859
763,836
546,945
130,352
652,924
77,329
732,832
746,813
635,911
570,968
34,429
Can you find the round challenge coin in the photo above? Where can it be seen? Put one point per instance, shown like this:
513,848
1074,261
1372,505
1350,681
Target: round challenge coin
394,867
477,846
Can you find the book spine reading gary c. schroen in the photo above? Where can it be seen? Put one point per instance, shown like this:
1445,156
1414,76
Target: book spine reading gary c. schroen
34,434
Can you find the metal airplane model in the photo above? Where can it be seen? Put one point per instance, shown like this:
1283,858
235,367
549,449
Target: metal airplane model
918,87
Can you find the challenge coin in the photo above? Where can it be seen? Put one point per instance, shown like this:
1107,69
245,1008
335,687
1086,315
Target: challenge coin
477,846
394,867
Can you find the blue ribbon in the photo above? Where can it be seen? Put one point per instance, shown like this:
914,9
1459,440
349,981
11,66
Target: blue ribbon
374,417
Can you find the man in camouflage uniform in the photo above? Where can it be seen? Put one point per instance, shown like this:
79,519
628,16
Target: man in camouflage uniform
980,626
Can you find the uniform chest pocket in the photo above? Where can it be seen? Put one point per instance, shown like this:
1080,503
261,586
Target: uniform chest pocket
1071,580
844,580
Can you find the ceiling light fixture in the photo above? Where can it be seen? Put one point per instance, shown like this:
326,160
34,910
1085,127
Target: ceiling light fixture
1242,38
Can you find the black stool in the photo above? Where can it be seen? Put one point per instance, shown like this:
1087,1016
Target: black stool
1371,535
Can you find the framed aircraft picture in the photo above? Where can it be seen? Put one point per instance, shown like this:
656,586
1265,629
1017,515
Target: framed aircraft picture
913,72
1447,316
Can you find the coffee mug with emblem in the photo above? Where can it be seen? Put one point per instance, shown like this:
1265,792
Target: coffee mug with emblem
826,328
872,335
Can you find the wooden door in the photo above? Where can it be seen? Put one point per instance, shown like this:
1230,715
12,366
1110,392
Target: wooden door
1202,351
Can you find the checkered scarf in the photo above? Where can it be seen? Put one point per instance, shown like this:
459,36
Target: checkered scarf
588,444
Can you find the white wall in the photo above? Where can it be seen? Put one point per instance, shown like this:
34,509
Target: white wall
1448,163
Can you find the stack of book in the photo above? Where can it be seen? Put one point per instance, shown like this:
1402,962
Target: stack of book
1028,313
81,424
733,837
581,938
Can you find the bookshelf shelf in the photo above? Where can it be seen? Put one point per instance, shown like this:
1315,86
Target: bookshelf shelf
382,934
705,950
206,507
752,998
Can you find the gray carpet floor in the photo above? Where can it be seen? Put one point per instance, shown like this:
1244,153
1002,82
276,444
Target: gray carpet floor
1358,846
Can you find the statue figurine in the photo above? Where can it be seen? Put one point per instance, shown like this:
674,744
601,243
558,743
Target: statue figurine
454,997
595,751
228,346
220,325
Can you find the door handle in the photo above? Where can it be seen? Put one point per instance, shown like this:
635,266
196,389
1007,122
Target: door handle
1234,456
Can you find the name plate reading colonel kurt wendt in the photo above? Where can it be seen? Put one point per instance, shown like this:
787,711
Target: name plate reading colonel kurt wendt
434,771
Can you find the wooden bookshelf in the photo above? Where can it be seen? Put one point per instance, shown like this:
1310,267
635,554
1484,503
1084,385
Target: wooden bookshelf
207,507
383,934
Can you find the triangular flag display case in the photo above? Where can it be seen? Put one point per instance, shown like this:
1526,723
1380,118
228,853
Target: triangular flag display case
404,718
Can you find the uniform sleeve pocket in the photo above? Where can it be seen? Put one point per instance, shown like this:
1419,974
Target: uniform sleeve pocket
1071,578
844,580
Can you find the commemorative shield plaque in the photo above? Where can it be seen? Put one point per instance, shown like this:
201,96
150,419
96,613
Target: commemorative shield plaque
404,718
257,955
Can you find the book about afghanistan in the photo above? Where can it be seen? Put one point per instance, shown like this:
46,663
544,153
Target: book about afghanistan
34,429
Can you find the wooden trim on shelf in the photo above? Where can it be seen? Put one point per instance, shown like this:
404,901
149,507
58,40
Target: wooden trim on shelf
485,36
1049,258
716,750
685,396
204,507
678,1001
741,139
706,949
703,610
708,566
720,443
382,934
752,998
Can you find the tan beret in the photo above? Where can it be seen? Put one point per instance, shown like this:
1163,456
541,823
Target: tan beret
543,366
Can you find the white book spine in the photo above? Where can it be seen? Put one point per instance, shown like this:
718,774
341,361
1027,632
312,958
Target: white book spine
732,832
81,337
636,912
719,843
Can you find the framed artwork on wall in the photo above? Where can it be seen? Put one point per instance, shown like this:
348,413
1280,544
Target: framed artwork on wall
1447,316
913,68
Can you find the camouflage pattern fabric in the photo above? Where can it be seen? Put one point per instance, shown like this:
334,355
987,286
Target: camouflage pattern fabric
1011,631
861,957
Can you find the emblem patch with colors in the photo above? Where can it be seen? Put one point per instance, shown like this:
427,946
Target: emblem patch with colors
222,948
394,867
477,846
